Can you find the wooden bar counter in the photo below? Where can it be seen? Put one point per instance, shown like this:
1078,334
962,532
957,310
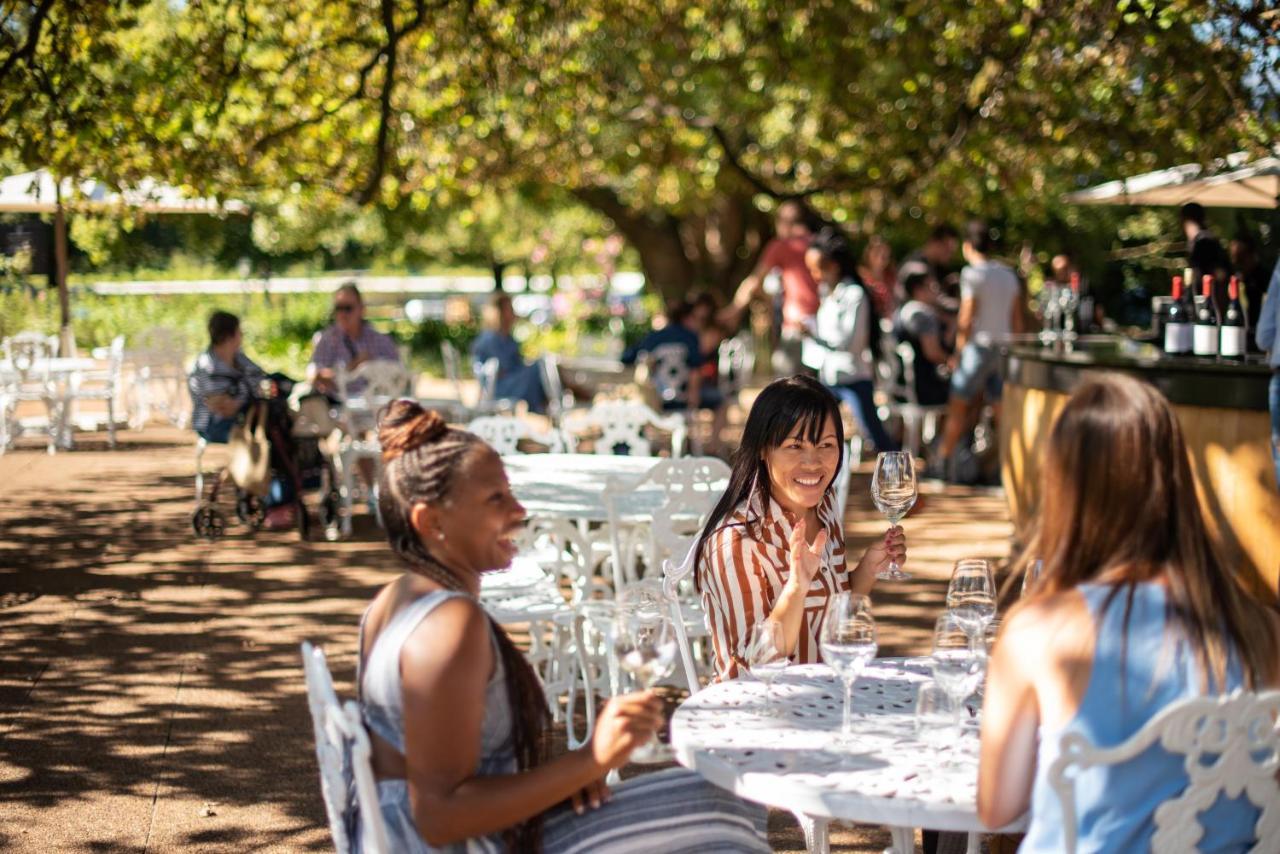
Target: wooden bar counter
1223,411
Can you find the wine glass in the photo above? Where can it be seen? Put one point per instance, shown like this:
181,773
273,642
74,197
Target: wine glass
893,489
644,643
848,643
765,659
971,596
957,666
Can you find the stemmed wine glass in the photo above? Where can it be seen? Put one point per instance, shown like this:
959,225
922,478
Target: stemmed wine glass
971,597
644,642
848,643
893,489
765,659
957,666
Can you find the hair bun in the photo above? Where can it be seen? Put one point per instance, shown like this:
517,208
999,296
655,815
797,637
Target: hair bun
405,425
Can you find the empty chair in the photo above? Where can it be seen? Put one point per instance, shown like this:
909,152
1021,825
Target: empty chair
504,433
345,759
95,385
158,358
28,379
622,423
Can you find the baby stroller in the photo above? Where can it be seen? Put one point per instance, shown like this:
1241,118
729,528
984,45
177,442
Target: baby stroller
298,458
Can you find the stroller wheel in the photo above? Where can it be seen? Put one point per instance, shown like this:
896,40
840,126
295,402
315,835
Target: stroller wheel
251,511
208,523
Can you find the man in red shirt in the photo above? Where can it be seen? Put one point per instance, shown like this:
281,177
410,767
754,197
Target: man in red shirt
785,254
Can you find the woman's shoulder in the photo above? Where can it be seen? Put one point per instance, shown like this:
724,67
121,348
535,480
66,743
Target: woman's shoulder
1040,620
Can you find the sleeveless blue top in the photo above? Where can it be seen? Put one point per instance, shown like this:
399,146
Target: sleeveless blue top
1115,805
382,707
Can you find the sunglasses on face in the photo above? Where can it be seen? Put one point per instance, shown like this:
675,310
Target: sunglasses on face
344,308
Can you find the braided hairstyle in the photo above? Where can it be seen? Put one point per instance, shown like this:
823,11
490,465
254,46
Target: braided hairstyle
421,455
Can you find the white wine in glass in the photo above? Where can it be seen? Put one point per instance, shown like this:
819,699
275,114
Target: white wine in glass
893,489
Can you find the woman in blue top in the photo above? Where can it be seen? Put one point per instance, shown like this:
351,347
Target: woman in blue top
1133,611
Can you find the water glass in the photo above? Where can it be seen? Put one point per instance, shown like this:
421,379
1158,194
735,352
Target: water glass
765,659
933,715
848,644
893,489
958,667
971,597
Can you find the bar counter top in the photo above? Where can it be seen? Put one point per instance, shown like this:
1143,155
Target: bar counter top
1184,380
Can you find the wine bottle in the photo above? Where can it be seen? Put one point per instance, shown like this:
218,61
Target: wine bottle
1205,335
1177,328
1232,337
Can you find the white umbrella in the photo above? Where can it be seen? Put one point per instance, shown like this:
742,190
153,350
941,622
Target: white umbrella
40,192
1232,182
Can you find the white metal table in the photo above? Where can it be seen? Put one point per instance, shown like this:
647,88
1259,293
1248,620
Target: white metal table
571,486
896,778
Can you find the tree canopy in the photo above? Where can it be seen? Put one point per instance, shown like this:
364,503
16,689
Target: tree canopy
681,123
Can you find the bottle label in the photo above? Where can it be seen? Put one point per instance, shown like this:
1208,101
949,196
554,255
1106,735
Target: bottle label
1177,338
1205,340
1232,341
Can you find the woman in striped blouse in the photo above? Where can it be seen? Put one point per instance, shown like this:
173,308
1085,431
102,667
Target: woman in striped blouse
773,548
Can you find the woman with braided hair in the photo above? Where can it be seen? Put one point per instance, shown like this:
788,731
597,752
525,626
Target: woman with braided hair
458,717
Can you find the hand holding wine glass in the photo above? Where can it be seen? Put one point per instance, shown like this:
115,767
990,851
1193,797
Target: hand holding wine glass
894,491
644,642
848,644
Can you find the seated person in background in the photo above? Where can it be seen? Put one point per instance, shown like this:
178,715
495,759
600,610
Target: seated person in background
773,547
517,380
456,715
920,325
1129,615
348,342
844,344
686,322
223,382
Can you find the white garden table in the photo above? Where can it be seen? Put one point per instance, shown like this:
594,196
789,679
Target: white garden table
896,778
571,486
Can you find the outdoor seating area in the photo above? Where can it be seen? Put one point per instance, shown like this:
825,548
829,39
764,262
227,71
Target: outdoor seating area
614,428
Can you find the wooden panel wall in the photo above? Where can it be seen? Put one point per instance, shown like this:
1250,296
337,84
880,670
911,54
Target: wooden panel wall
1230,457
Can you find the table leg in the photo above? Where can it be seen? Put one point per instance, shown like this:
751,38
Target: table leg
817,834
904,840
974,845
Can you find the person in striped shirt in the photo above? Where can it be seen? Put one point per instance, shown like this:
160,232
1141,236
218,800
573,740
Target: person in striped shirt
348,343
773,547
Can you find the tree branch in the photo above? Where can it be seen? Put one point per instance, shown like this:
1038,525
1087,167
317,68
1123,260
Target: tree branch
27,51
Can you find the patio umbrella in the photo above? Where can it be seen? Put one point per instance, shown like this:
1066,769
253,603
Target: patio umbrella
1232,182
41,192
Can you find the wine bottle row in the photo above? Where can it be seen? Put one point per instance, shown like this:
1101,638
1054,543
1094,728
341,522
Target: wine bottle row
1192,330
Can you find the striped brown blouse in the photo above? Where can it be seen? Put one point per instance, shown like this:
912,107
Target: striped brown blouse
746,563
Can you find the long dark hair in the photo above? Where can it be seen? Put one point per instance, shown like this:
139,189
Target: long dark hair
835,247
421,455
1116,471
784,403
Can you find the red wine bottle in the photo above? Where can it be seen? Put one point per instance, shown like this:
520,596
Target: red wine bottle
1177,328
1204,339
1232,337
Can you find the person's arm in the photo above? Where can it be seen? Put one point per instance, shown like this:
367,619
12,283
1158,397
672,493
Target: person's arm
964,326
445,670
1010,720
731,315
1269,319
223,405
931,347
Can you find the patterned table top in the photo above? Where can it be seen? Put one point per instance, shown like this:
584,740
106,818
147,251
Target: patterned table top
897,777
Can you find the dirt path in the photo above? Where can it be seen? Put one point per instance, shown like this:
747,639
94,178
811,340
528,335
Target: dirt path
151,695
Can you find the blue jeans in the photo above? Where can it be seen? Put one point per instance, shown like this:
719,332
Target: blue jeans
1275,423
860,398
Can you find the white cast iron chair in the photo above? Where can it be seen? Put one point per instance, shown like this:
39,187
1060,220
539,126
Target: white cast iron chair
559,401
1232,747
158,358
919,422
621,424
29,380
385,380
737,365
344,754
504,432
101,385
